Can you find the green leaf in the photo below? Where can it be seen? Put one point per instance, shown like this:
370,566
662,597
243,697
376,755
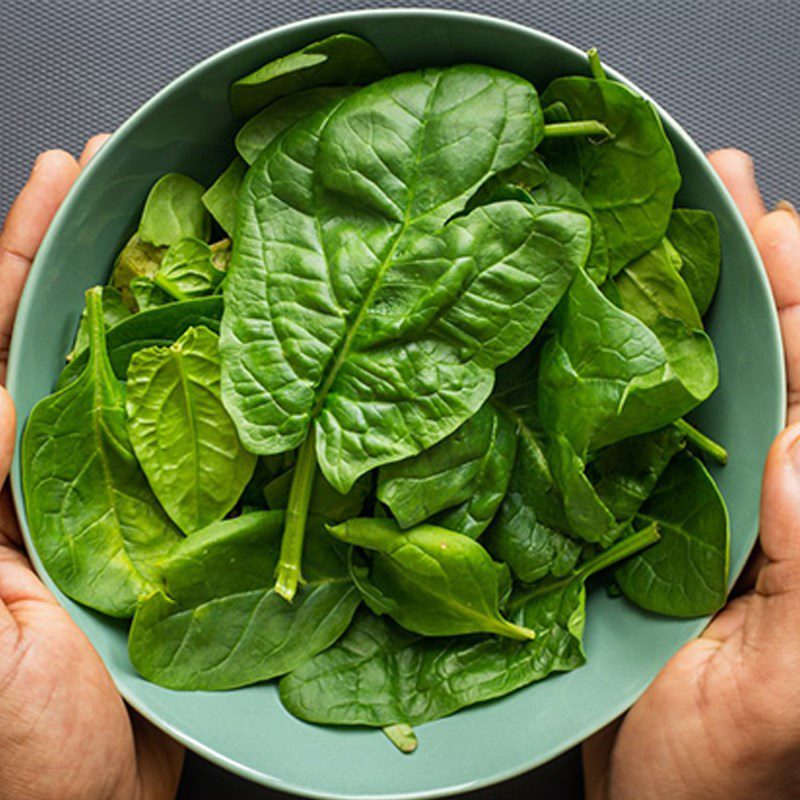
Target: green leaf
260,131
396,323
174,210
267,469
442,583
187,270
379,674
114,311
94,521
695,235
222,197
606,376
630,179
155,327
219,624
182,435
147,295
686,573
467,470
340,59
137,259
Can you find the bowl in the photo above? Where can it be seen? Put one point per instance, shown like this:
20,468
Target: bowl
189,128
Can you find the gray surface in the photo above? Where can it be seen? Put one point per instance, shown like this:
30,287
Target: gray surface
728,71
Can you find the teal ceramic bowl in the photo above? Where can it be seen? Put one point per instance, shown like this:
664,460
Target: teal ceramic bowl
189,128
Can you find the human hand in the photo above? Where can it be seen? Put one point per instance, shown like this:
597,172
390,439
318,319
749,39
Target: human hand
64,730
720,721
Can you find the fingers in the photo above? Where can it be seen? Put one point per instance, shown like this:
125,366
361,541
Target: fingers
737,173
9,529
597,760
29,217
780,500
160,760
777,236
91,148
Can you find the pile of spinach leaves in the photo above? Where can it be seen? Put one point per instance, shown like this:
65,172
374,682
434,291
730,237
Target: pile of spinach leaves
368,411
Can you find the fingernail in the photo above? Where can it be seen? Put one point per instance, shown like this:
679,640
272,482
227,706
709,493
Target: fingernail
785,205
38,162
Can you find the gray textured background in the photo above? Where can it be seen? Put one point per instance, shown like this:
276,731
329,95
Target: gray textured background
728,70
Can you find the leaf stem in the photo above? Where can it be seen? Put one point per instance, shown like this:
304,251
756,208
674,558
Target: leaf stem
702,442
95,319
594,64
170,287
629,546
402,736
580,127
289,574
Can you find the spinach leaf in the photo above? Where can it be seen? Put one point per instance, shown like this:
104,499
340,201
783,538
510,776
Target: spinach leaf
325,500
379,674
605,376
222,197
686,573
96,525
181,434
436,582
695,235
147,295
218,624
114,311
468,469
188,270
403,321
260,131
629,179
155,327
625,474
340,59
267,469
137,259
174,210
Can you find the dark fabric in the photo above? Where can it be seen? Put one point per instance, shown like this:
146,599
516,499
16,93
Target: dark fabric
729,71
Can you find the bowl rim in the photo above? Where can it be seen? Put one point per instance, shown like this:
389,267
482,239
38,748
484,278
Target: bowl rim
15,364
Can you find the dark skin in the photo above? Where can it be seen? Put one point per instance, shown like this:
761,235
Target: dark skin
719,721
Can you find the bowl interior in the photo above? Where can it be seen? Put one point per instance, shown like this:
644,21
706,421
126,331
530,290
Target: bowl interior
188,128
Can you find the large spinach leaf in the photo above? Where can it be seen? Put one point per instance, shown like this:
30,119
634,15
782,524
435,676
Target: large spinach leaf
395,323
96,525
337,60
465,476
159,326
630,178
695,235
218,623
379,674
433,581
181,434
686,573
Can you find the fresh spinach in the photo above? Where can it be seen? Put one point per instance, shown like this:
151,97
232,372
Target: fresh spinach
218,624
341,59
686,573
114,310
433,581
188,270
222,197
137,260
94,521
174,210
173,400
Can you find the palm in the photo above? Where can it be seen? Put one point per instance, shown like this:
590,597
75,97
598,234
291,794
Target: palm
720,719
64,730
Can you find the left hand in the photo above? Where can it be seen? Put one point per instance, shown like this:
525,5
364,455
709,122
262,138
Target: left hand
65,733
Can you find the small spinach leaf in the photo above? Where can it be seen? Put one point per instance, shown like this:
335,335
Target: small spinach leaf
695,235
174,210
439,582
337,60
219,624
188,270
114,310
222,197
686,573
96,525
182,435
147,295
137,259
